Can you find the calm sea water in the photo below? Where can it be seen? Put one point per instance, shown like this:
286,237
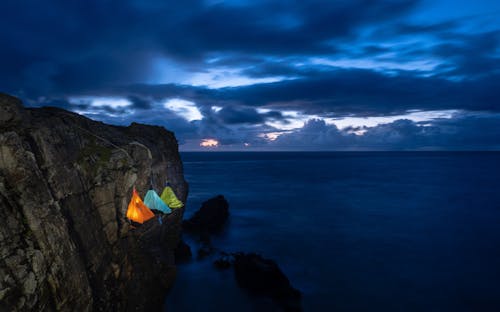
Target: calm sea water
395,231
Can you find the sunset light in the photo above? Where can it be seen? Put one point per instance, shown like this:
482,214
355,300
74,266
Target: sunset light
209,143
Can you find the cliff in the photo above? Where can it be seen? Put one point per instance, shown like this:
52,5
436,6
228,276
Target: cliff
65,183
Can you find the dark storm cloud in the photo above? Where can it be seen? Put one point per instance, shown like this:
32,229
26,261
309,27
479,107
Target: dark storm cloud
346,92
365,92
61,46
474,56
289,27
406,29
139,102
55,51
97,45
241,115
232,115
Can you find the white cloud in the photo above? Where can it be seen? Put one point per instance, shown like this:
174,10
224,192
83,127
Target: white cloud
270,136
416,116
186,109
374,64
216,108
96,101
220,78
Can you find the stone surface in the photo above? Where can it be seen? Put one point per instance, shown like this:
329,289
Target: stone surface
183,252
204,251
65,184
10,111
263,277
210,218
223,263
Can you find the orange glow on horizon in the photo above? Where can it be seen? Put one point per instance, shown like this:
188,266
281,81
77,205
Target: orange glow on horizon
209,143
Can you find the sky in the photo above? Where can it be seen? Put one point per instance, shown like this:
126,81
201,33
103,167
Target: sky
266,75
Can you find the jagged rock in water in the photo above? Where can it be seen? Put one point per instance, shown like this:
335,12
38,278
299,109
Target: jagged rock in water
183,252
224,262
204,251
210,218
65,183
263,277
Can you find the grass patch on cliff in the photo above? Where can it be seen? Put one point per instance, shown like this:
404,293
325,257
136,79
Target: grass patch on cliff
93,156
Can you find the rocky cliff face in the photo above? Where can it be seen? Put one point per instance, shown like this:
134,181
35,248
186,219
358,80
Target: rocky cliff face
65,183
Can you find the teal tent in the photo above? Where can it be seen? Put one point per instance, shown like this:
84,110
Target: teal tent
153,201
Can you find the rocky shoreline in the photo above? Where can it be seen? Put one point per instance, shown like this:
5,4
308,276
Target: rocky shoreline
66,244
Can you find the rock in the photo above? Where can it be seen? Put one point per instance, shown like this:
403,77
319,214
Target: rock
205,251
263,277
65,184
182,252
29,284
223,263
210,218
10,111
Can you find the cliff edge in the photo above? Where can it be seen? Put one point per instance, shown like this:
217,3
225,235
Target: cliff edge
65,184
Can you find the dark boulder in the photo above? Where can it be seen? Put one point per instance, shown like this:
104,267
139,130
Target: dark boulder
224,262
205,250
182,252
210,218
263,277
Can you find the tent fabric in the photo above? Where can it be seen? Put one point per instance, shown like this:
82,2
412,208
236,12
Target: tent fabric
137,211
169,198
153,201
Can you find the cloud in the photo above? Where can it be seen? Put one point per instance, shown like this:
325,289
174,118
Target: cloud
81,47
230,115
139,102
364,92
268,65
475,132
246,115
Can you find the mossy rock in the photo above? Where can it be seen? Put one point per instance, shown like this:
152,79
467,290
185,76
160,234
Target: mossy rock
93,157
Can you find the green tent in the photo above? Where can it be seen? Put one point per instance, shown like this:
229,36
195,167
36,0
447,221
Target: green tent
169,198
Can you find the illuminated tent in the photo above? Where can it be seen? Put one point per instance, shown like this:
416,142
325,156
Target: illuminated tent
153,201
137,211
169,198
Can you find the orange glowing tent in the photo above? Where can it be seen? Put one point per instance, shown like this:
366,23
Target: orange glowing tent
137,211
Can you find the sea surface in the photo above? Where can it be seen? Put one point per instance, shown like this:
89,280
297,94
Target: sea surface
354,231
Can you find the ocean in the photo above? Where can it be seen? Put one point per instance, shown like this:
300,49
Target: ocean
353,231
